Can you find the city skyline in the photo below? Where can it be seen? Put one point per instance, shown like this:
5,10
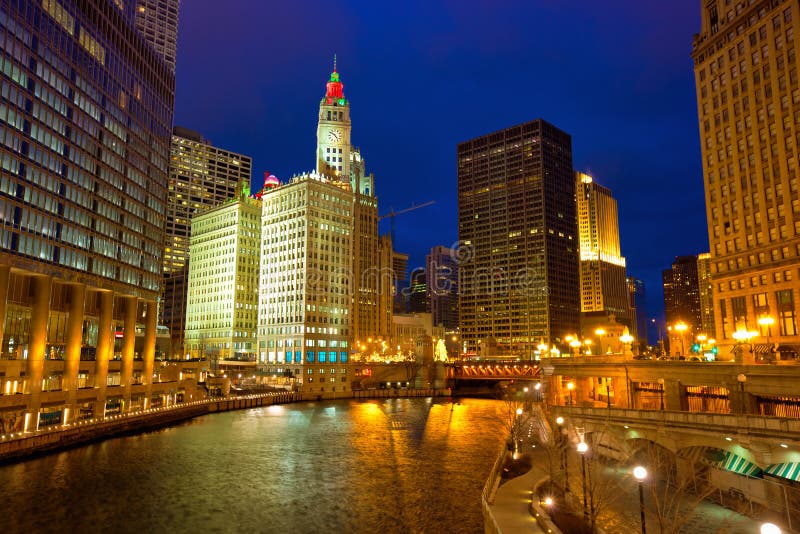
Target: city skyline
419,86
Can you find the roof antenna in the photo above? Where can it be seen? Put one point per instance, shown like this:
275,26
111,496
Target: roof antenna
334,62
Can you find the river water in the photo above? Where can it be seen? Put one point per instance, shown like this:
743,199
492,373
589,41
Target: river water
349,466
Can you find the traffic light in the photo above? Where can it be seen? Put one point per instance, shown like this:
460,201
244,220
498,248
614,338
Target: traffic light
696,347
714,349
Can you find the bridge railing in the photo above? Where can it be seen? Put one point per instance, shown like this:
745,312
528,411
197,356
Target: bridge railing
736,423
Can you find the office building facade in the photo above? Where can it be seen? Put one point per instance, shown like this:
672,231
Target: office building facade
157,21
442,281
87,111
200,176
222,295
517,226
604,287
748,100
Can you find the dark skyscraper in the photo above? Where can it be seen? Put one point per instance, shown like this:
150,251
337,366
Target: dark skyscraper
682,293
517,227
442,282
87,114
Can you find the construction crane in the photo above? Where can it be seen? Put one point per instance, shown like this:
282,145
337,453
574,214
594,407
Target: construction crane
393,213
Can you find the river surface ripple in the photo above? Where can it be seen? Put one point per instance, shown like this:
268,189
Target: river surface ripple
349,466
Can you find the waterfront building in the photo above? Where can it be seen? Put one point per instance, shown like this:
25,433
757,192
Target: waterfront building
604,289
200,176
338,158
705,289
157,21
87,107
222,296
745,65
518,257
386,287
442,281
305,303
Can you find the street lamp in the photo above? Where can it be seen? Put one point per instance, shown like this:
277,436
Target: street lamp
582,448
742,378
640,473
608,392
681,327
742,337
576,345
767,321
600,332
626,339
570,387
770,528
564,462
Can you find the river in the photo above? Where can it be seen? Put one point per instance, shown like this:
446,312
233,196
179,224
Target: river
349,466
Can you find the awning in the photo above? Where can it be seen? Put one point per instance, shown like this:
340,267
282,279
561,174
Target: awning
795,349
739,465
762,348
789,471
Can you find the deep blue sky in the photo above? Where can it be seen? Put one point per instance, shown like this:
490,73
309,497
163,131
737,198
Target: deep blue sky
423,76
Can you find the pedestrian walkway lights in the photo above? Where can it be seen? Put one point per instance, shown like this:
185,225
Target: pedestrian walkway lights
562,444
640,473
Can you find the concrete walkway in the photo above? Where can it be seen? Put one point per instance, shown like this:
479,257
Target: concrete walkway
511,507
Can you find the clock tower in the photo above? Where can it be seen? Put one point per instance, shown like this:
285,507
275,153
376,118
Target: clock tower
333,130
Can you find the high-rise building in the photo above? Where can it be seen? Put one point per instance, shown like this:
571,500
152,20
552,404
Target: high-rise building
638,303
517,226
602,267
745,63
157,20
705,289
87,109
222,301
305,300
442,282
682,293
200,176
337,157
400,282
386,287
419,297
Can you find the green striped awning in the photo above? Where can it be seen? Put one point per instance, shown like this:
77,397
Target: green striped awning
788,470
739,465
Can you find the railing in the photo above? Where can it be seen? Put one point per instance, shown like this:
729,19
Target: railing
489,489
756,425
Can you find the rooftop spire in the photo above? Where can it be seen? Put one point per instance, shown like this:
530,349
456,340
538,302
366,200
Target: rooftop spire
334,62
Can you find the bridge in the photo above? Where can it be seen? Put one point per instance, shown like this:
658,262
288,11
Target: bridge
495,370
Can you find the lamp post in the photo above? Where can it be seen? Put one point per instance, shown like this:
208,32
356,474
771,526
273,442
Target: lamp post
767,322
681,327
608,392
626,339
582,448
742,378
564,463
661,393
570,387
640,473
600,332
770,528
742,337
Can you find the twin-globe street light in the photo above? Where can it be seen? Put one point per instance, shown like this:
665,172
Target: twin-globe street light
561,438
582,448
640,473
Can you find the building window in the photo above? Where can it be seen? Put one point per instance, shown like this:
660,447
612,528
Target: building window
310,356
739,309
786,318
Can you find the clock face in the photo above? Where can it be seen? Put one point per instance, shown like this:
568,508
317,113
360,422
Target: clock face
334,136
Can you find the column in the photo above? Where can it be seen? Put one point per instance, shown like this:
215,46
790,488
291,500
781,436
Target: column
105,350
77,295
5,276
128,345
40,312
151,312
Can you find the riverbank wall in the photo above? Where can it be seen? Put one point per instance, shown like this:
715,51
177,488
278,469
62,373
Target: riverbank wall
22,446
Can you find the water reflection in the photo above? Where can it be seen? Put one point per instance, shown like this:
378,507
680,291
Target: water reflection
389,465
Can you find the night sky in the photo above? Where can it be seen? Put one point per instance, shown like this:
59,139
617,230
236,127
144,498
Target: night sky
423,76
